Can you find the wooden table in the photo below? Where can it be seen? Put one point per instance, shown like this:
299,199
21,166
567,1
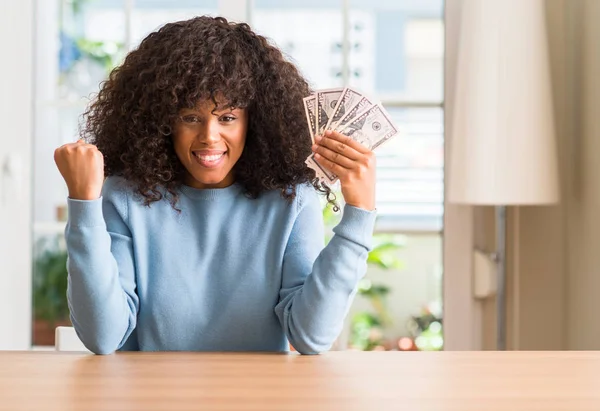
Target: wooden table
374,381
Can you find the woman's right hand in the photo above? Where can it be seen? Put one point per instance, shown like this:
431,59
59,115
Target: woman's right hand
82,167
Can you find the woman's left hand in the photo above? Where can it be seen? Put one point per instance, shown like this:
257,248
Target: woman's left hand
353,163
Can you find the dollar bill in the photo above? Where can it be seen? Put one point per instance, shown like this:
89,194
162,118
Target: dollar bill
348,112
321,172
309,109
325,104
371,128
363,104
347,100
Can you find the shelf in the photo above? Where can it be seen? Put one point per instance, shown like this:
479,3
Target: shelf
52,227
43,348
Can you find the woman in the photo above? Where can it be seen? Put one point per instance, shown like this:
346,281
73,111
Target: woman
207,233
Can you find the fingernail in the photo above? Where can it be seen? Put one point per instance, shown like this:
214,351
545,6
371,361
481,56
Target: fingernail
328,133
314,147
318,138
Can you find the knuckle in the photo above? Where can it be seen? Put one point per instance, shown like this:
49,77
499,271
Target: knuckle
361,171
63,151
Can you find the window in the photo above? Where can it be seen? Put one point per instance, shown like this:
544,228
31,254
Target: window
392,50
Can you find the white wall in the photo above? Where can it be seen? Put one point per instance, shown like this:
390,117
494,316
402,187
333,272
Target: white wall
16,38
49,131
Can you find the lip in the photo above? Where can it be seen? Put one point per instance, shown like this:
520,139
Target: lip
201,157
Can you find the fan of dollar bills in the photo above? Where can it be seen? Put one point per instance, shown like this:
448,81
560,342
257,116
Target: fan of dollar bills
348,112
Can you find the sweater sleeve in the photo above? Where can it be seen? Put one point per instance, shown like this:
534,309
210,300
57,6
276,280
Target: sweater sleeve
319,283
101,284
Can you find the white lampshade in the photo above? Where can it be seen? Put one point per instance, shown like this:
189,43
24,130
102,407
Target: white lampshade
503,149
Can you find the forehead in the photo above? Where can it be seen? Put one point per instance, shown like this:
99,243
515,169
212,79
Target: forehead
216,103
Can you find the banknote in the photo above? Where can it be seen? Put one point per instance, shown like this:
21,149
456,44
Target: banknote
371,128
348,112
362,104
325,104
346,101
309,109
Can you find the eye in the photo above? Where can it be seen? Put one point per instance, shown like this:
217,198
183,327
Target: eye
227,118
190,119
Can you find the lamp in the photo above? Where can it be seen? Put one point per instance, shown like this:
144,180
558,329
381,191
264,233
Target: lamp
503,149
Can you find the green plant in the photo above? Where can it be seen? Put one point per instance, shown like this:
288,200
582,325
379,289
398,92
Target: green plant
426,329
367,327
385,252
366,332
50,282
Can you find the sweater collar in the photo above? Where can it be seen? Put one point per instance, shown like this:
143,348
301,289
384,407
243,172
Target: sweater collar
211,193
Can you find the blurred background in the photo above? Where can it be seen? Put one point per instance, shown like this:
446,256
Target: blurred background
392,50
488,229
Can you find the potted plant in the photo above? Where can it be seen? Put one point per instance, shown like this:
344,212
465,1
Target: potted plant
50,307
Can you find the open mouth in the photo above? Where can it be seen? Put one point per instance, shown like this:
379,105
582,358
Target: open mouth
209,159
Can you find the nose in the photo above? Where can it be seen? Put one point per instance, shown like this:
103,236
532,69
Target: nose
210,133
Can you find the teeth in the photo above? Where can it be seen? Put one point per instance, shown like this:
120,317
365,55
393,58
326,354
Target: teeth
214,157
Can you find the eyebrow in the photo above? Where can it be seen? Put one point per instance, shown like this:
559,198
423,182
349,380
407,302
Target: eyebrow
215,111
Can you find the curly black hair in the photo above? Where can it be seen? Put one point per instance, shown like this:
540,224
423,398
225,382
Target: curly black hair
132,117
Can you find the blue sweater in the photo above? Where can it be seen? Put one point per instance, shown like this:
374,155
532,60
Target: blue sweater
228,273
